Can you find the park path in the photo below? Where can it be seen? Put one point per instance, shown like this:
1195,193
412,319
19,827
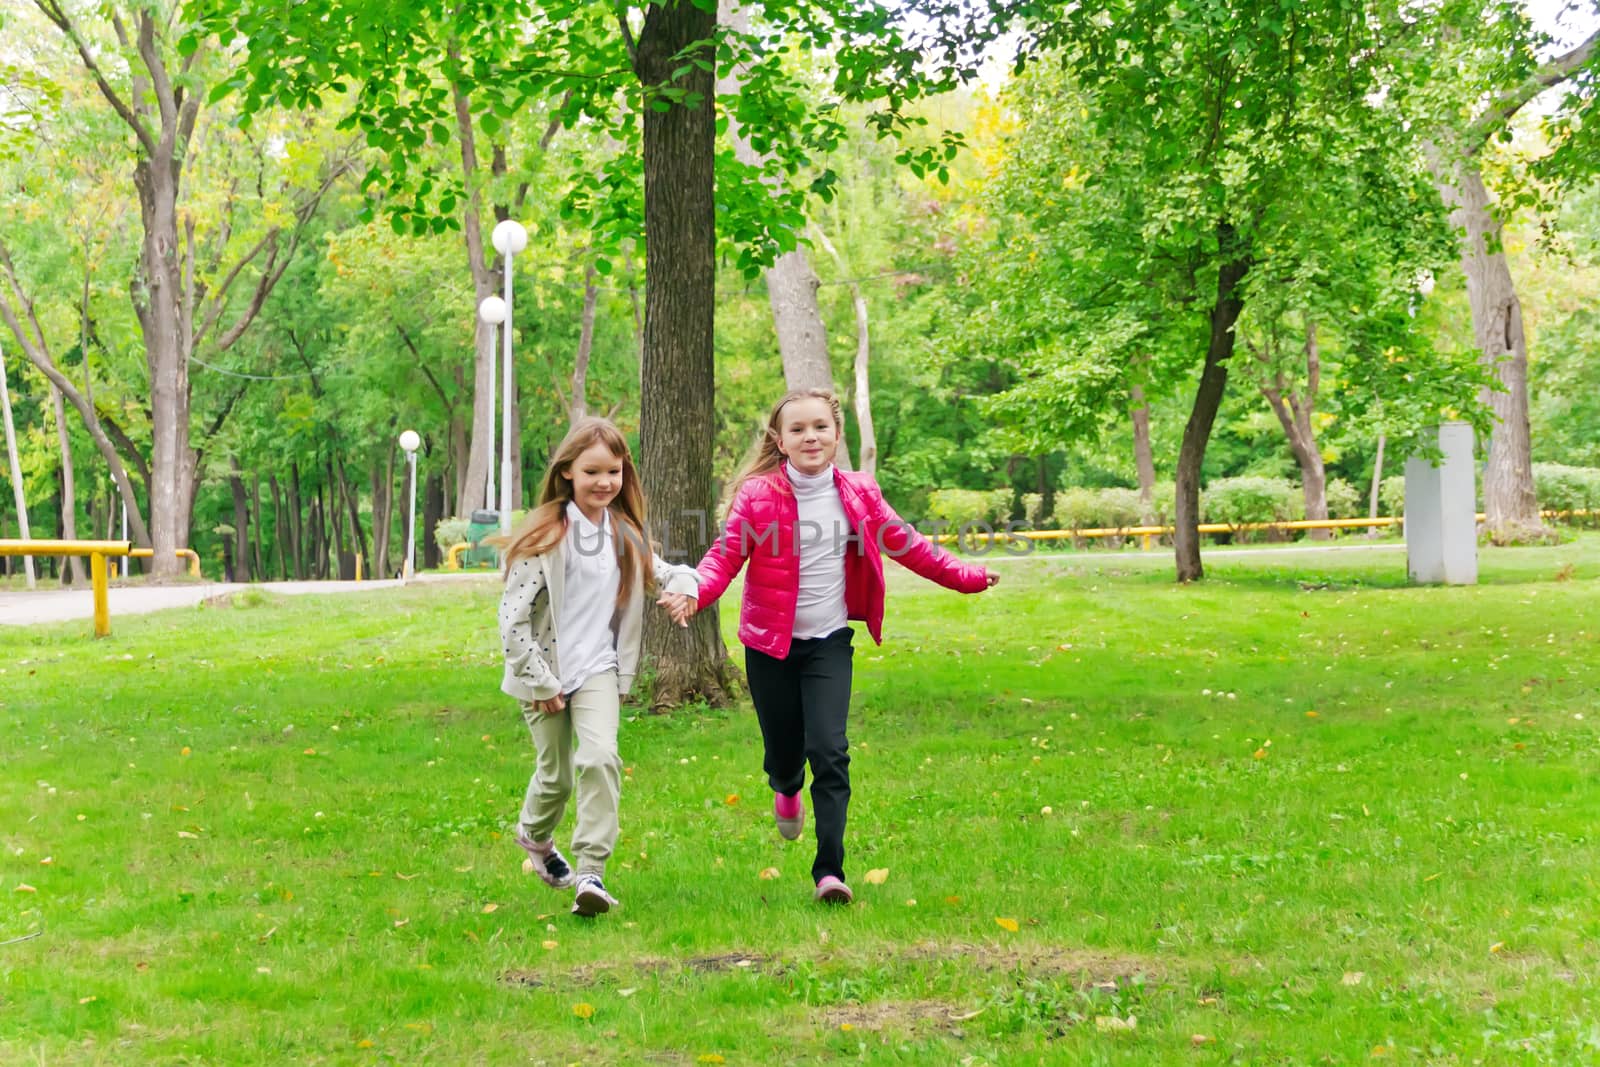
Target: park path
30,607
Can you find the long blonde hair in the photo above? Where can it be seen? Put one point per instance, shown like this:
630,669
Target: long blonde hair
764,455
546,525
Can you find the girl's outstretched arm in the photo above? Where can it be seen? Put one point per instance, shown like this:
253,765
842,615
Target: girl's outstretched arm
525,657
901,542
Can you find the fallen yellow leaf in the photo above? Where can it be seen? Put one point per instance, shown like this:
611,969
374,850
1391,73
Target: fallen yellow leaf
1312,715
87,1000
1260,753
487,908
1007,924
877,876
184,751
365,1042
731,799
24,887
1114,1024
847,1027
583,1010
768,874
549,945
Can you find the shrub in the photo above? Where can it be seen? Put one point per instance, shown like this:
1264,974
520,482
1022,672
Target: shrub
1392,496
958,506
1033,512
1344,501
449,532
1252,499
1563,488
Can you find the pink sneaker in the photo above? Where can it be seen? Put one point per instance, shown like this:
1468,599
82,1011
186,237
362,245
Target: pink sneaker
789,814
832,891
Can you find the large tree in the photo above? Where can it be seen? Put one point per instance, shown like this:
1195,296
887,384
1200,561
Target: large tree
646,70
1218,120
1471,73
190,260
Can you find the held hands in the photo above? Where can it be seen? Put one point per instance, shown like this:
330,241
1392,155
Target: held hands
681,606
991,578
554,706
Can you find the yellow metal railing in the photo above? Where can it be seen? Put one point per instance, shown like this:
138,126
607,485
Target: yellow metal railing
1148,532
184,553
97,551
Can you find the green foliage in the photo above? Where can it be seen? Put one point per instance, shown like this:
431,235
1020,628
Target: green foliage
1252,499
1088,509
1344,500
449,532
959,507
1563,488
1392,496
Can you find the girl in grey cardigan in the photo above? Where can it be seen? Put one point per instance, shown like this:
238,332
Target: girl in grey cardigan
571,618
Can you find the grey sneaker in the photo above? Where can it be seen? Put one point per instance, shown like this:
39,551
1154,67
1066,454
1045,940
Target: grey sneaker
592,898
548,862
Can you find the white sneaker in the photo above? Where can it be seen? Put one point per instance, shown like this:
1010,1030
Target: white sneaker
592,898
548,862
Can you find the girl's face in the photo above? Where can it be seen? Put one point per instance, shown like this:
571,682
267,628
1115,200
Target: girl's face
807,436
596,477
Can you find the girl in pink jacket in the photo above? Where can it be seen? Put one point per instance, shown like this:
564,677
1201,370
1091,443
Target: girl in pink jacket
815,538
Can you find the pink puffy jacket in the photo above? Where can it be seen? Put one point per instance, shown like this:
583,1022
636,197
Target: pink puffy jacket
761,529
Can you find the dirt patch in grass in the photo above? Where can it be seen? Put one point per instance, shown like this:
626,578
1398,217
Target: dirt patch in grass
1089,969
897,1015
649,965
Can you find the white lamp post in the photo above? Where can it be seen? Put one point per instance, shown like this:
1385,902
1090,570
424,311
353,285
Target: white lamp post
411,441
509,238
492,311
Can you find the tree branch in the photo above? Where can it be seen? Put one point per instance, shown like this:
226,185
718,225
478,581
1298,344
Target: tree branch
53,11
627,33
1505,106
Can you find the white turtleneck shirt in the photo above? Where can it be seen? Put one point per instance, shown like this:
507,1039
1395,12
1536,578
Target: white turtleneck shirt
822,534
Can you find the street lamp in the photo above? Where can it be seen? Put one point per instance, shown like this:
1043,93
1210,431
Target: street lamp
509,238
492,311
411,441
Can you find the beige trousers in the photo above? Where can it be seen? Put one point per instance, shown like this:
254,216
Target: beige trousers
580,740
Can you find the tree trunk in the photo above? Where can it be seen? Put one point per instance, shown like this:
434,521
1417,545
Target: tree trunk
358,534
280,535
432,512
1207,401
241,522
258,562
296,526
1511,508
1143,457
158,296
678,364
1295,411
1377,480
382,517
792,283
578,405
69,489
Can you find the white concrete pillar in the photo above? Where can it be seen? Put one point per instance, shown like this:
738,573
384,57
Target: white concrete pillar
1442,512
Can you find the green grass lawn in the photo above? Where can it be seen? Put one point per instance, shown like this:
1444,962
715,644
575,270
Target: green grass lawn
1299,813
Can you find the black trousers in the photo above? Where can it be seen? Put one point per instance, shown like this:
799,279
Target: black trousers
803,702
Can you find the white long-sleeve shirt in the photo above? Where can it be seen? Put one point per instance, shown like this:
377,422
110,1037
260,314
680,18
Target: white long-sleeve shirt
823,533
589,643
